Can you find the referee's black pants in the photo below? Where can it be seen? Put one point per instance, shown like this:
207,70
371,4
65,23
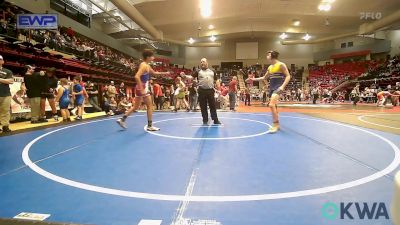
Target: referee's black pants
206,97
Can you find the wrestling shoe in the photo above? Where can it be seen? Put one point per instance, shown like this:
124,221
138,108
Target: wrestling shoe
122,123
275,128
152,128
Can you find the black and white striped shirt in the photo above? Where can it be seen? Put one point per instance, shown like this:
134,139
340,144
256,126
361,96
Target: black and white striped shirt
205,78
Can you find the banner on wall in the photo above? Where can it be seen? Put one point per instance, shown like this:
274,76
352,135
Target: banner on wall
37,21
19,102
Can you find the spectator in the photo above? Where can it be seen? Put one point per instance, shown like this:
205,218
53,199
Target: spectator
180,94
163,91
6,78
105,93
158,96
70,32
111,90
355,94
315,94
193,96
298,95
92,91
123,106
77,93
249,81
3,26
264,96
223,96
247,97
112,106
121,91
232,93
167,95
50,82
33,82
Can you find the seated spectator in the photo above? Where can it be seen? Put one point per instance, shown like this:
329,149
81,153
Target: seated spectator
112,106
123,106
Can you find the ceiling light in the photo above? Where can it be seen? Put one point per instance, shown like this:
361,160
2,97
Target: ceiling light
205,13
211,27
205,8
213,38
324,7
296,23
283,36
191,40
306,37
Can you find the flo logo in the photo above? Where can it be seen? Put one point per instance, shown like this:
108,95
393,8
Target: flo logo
355,210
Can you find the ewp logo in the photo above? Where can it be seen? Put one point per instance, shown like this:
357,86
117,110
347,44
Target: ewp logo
37,21
342,211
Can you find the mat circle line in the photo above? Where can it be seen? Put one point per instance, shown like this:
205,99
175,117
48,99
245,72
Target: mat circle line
224,198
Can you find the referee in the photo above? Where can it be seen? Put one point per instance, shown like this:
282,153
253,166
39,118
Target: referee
206,78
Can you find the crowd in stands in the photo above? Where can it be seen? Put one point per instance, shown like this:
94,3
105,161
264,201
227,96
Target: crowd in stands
66,40
373,76
388,69
330,76
63,40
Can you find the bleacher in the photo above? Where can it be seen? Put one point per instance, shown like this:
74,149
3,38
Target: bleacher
69,52
382,75
226,77
329,76
16,58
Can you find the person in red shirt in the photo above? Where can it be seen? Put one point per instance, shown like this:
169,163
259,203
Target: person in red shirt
70,32
158,96
232,93
249,80
223,96
224,90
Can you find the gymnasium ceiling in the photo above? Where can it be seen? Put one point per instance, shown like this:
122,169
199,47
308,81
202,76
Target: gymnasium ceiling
181,19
